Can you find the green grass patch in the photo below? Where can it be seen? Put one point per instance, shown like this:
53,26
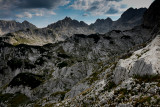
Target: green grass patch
21,40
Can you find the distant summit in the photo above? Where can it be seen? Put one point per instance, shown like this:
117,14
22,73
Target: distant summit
130,18
102,25
132,14
12,26
67,22
67,19
27,24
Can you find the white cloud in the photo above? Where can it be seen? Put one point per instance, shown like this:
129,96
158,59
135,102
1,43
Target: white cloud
103,7
36,12
97,7
25,14
51,13
43,12
137,3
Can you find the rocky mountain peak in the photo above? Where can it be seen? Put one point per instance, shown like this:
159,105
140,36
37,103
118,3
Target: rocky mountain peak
27,24
132,13
102,21
99,21
152,15
67,22
83,23
129,19
108,19
67,19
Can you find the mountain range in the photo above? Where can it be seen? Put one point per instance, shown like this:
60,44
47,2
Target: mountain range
118,68
12,26
28,34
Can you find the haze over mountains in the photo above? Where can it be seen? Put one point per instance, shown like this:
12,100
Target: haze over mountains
119,67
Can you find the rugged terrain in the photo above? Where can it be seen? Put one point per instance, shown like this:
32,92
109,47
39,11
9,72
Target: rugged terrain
118,68
129,19
26,33
12,26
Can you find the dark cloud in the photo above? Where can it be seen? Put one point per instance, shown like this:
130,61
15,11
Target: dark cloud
9,8
31,4
36,4
4,14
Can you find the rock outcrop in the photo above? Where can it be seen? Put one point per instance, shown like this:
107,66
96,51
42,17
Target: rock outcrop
142,62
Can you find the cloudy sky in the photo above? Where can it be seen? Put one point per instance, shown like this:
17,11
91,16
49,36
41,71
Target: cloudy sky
43,12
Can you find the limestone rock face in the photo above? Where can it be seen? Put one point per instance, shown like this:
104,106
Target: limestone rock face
143,62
